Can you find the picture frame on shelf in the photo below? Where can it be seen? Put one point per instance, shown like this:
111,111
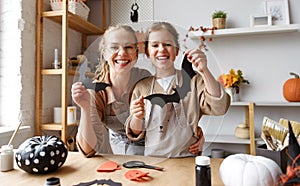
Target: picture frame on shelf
279,10
260,20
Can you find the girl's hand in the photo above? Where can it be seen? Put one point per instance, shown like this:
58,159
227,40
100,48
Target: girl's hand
197,58
137,108
80,95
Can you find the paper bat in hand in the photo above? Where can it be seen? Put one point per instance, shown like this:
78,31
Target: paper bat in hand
180,92
162,99
86,81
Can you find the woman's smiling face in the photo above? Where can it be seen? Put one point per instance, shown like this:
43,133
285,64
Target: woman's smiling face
162,49
121,51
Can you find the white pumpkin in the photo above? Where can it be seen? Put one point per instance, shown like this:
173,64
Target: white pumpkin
249,170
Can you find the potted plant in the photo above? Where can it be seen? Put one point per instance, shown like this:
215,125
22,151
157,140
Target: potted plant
219,19
232,82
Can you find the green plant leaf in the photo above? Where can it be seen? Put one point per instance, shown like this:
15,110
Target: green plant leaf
219,14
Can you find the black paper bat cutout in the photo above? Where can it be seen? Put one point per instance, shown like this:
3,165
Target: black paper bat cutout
180,92
86,81
100,182
187,74
162,99
100,86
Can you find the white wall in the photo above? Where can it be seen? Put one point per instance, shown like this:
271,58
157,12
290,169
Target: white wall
266,60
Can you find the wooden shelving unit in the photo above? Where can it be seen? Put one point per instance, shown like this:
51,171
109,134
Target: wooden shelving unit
230,139
75,22
68,21
249,119
59,71
249,112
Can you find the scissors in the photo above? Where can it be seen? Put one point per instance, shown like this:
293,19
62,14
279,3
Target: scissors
140,164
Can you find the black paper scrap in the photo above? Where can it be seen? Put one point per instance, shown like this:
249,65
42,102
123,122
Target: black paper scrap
99,182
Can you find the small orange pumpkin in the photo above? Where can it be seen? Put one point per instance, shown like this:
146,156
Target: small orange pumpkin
291,88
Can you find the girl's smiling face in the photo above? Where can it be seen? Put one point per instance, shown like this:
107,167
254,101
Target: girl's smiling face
121,51
162,50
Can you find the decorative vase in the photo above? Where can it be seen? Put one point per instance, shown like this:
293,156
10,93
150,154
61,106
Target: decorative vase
219,23
242,131
233,94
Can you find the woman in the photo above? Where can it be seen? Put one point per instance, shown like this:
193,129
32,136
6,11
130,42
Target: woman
108,108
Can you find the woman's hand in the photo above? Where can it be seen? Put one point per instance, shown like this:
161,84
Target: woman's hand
197,58
196,148
80,95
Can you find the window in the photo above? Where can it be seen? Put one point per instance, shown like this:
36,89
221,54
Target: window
17,68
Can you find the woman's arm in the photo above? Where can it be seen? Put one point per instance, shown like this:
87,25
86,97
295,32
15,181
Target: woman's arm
86,137
91,126
197,147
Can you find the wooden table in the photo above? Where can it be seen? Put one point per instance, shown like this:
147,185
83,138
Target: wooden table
77,168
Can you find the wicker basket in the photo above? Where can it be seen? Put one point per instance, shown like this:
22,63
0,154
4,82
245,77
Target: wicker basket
75,6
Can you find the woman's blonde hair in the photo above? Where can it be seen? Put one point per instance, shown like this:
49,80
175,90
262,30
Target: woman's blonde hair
102,70
161,26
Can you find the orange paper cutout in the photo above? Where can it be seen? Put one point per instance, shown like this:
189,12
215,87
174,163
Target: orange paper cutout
108,166
136,175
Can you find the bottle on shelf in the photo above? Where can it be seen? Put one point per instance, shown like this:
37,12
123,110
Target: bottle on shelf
56,63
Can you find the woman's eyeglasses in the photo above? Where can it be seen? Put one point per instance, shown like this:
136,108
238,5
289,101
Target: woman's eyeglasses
114,48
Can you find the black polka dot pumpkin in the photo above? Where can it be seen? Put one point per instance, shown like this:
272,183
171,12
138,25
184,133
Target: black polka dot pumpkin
41,154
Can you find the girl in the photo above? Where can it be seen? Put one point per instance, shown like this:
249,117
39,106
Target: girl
169,130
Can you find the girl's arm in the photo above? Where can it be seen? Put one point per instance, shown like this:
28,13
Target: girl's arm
137,110
199,60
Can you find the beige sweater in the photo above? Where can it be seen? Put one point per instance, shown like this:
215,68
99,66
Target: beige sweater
104,103
196,103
